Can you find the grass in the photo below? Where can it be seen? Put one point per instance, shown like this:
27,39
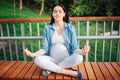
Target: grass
7,11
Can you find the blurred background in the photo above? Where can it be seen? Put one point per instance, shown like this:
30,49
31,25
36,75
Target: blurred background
42,8
15,32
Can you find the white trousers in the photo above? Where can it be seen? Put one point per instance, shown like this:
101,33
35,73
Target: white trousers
48,63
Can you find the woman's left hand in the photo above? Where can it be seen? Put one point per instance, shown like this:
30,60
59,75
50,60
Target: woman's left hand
86,49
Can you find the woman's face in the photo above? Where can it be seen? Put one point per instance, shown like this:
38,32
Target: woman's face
58,13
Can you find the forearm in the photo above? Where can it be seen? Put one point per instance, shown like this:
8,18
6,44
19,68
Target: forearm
83,51
79,51
39,52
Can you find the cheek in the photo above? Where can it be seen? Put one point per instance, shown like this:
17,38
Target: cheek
54,14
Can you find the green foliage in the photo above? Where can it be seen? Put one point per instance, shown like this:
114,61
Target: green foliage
83,7
7,11
94,8
38,1
74,7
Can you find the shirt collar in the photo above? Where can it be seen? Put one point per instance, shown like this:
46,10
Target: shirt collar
65,25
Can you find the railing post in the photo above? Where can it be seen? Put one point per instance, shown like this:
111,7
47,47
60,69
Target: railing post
118,46
111,41
87,34
23,41
3,46
96,42
16,45
79,32
38,30
103,42
10,47
31,42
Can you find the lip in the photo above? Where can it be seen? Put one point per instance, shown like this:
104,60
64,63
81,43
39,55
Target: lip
57,17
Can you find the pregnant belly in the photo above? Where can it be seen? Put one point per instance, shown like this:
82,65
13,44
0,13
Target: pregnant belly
59,52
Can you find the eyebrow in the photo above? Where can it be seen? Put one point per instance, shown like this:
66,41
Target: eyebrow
56,10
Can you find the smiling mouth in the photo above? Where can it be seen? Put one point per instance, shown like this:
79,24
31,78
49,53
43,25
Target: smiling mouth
57,17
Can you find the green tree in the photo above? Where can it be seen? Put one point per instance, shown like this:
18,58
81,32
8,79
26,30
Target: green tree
83,7
41,6
21,6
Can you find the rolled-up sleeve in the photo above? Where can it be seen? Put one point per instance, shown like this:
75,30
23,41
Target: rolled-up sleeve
74,40
44,44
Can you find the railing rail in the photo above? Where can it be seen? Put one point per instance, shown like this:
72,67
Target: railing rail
48,19
17,34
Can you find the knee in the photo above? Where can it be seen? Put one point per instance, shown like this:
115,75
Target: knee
78,58
38,60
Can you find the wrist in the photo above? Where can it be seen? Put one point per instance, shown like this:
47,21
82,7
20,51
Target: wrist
32,55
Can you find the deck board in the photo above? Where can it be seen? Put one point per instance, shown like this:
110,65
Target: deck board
83,70
24,70
112,71
105,71
36,74
116,66
89,70
98,73
27,70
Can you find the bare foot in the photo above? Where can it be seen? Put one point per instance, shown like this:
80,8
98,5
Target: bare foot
28,53
48,72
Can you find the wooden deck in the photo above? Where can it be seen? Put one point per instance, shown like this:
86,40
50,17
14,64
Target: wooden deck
28,70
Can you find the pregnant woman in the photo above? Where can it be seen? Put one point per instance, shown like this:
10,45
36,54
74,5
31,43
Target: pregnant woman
59,50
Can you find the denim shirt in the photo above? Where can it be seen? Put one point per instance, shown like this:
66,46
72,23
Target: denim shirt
69,35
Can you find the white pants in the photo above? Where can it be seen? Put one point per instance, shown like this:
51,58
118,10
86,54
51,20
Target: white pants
48,63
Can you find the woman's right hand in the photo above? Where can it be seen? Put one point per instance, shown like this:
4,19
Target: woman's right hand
28,53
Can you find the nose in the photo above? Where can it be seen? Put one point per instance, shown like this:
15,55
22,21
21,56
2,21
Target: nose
57,13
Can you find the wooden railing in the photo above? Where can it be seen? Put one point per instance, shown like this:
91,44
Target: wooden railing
102,33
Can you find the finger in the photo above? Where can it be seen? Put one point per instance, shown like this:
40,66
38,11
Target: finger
83,51
87,48
87,43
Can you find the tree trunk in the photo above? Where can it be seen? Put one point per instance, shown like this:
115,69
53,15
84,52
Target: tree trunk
21,5
42,7
14,9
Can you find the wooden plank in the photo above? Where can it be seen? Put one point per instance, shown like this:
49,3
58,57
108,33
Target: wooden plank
118,63
11,69
90,72
116,66
112,71
105,71
28,70
65,77
3,64
51,76
97,71
29,74
59,76
1,61
24,71
82,69
42,77
14,74
36,73
6,66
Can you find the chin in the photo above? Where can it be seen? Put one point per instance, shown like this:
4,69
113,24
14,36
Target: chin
58,19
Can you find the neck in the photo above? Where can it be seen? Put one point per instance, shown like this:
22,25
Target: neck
59,24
